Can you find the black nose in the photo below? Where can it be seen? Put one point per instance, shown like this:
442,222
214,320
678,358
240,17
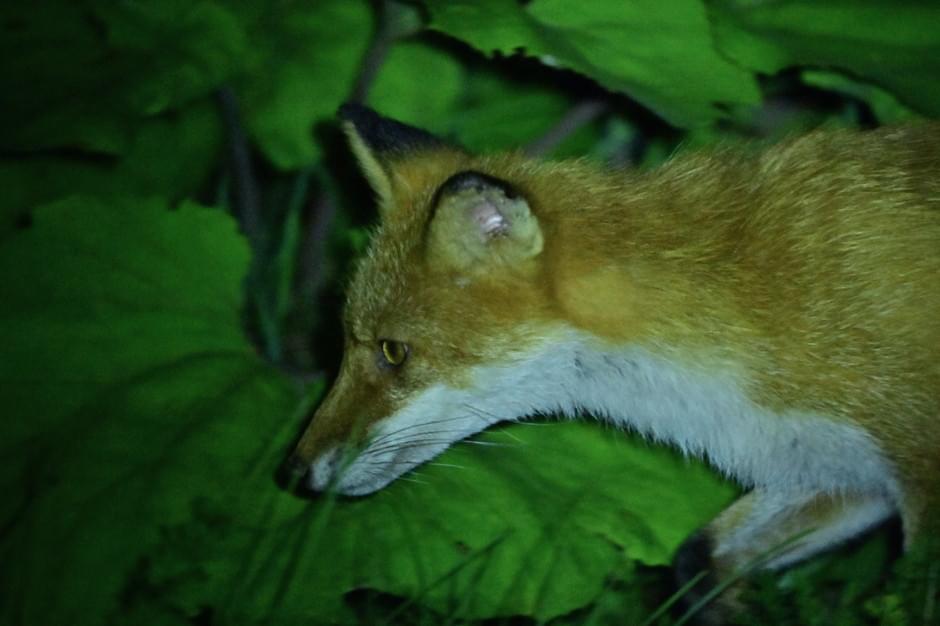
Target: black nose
290,475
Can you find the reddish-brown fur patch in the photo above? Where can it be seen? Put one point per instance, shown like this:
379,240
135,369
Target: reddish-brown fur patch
813,266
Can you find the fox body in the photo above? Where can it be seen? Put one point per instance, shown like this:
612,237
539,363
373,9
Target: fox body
776,311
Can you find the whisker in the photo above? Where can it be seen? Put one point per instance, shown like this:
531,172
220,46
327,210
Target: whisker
484,412
406,446
512,436
391,445
403,443
387,441
413,480
453,465
493,444
499,418
373,463
419,425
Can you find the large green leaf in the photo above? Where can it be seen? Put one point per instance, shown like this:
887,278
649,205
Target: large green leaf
128,393
173,51
500,112
53,65
481,106
895,45
168,155
401,86
534,528
659,53
80,75
301,67
885,106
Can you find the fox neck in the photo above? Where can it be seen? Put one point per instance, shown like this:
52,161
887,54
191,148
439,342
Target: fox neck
704,412
650,268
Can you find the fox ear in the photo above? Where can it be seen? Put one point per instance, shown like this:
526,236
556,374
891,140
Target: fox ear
377,141
479,219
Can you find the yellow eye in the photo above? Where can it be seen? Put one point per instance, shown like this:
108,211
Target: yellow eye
394,352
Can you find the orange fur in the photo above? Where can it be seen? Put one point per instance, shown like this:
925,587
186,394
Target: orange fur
812,267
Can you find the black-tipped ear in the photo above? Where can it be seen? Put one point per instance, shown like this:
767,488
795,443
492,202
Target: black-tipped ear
385,136
377,141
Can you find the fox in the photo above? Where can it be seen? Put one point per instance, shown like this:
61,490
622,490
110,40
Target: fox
772,309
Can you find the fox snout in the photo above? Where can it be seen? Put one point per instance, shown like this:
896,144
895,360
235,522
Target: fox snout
301,474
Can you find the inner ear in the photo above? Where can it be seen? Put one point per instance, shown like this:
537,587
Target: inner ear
478,219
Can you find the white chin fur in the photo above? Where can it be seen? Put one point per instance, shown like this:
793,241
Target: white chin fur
436,418
703,413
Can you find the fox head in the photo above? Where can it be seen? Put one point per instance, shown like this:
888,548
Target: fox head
443,310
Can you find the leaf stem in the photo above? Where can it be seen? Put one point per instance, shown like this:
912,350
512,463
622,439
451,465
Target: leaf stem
577,117
246,197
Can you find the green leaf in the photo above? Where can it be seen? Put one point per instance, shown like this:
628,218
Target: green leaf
401,89
80,75
658,53
169,155
301,67
500,112
477,105
883,104
129,394
54,69
884,42
531,529
179,49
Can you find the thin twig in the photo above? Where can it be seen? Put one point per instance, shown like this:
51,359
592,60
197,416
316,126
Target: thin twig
393,24
246,197
321,209
577,117
318,218
930,599
372,61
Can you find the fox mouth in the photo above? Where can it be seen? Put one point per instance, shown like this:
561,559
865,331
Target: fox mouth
369,472
359,473
432,421
392,451
362,486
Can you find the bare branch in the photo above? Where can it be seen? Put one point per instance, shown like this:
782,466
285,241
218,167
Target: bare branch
246,197
578,116
317,220
394,23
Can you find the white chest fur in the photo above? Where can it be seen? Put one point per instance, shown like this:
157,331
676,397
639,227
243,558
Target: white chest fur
705,414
